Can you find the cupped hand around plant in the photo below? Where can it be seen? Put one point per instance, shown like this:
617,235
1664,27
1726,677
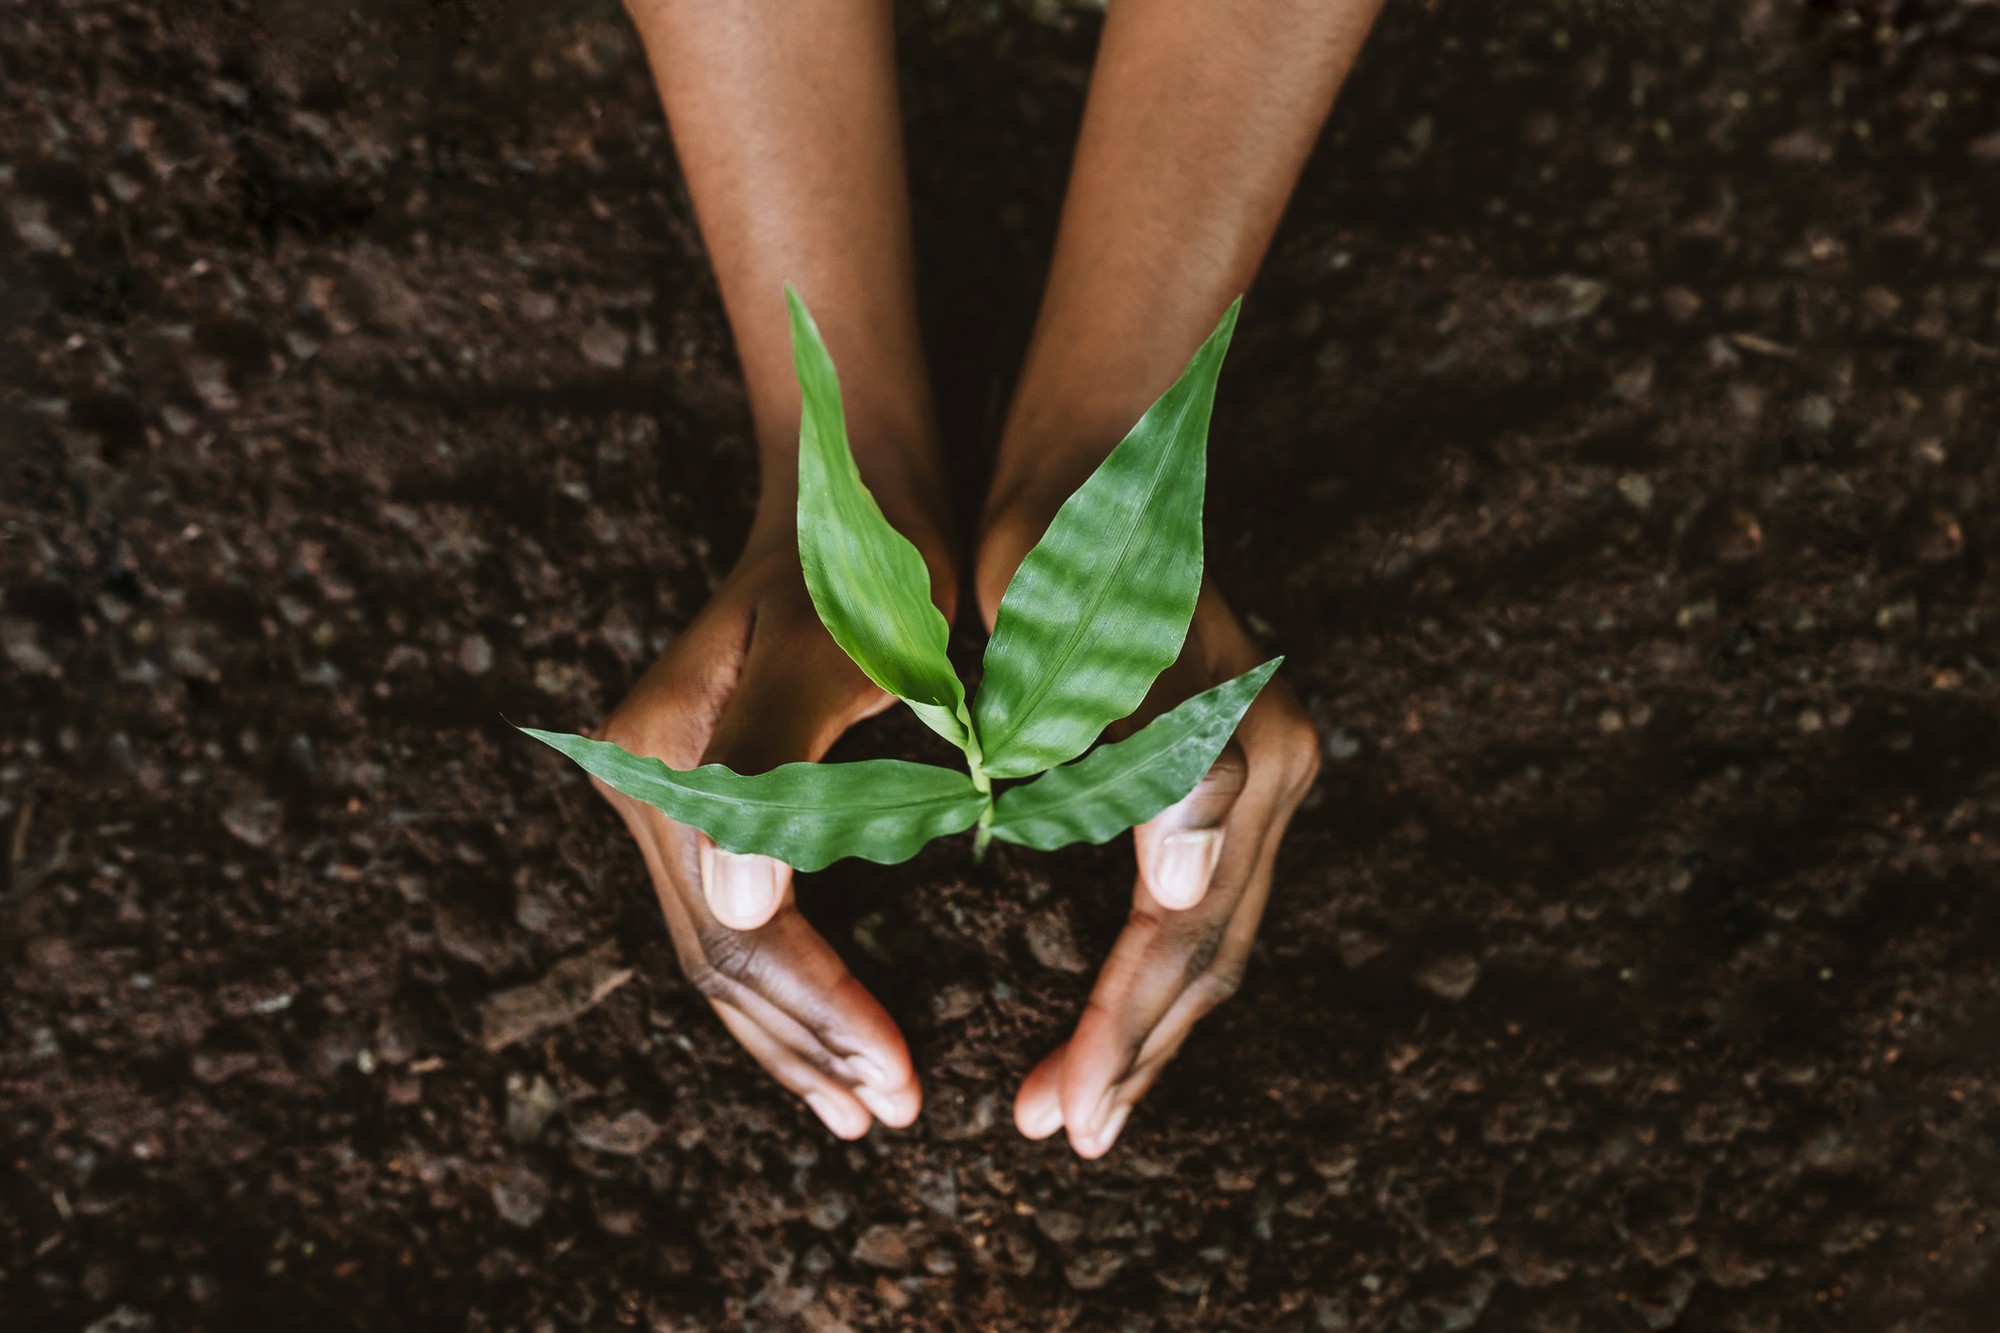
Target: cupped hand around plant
754,682
1091,582
1204,864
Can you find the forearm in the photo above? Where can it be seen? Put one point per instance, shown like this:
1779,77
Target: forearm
784,118
1200,117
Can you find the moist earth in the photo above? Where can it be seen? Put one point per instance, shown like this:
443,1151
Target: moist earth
1610,444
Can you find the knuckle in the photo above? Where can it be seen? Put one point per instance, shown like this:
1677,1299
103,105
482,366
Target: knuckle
821,1057
1150,922
707,980
1220,982
728,963
1296,753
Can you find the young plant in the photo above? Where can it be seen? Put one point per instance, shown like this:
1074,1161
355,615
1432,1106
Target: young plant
1098,609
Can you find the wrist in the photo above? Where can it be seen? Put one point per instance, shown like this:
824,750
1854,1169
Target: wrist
1091,373
1045,453
899,461
906,482
1029,486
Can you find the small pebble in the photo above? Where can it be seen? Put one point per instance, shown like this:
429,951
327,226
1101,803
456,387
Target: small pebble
20,641
520,1196
531,1103
1053,945
475,655
1451,977
1092,1270
30,217
882,1246
605,345
627,1135
1680,304
1635,383
829,1211
1339,746
1063,1228
1814,414
256,822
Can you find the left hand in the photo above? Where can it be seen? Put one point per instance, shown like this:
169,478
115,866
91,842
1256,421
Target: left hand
1204,875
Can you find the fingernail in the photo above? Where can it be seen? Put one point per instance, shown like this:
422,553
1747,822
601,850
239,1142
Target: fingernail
741,889
1187,859
1108,1135
1047,1122
835,1117
875,1102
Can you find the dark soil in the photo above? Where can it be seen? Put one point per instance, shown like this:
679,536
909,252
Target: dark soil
1611,443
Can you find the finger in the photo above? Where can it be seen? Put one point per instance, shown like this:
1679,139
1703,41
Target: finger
837,1107
1179,848
775,982
792,983
1154,987
1194,824
787,979
1140,982
1168,968
1038,1105
1203,992
784,977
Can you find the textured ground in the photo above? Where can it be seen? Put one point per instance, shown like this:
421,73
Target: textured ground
1611,444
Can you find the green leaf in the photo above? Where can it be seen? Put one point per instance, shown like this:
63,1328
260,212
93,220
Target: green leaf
806,815
1128,781
1100,607
869,584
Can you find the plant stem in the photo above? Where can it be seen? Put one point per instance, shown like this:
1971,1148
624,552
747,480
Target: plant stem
975,761
982,835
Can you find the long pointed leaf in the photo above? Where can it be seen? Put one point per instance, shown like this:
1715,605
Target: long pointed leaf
1100,606
806,815
1128,781
869,584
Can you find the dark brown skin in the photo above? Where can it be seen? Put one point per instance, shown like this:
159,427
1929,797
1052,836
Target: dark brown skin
783,112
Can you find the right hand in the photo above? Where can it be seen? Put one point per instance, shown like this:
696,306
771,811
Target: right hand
754,682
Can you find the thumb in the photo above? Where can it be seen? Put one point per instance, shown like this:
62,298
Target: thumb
793,698
1178,848
744,890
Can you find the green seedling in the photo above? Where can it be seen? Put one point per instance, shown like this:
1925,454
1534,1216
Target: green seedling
1098,609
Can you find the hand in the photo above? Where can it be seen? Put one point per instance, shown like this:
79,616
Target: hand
755,682
1204,873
